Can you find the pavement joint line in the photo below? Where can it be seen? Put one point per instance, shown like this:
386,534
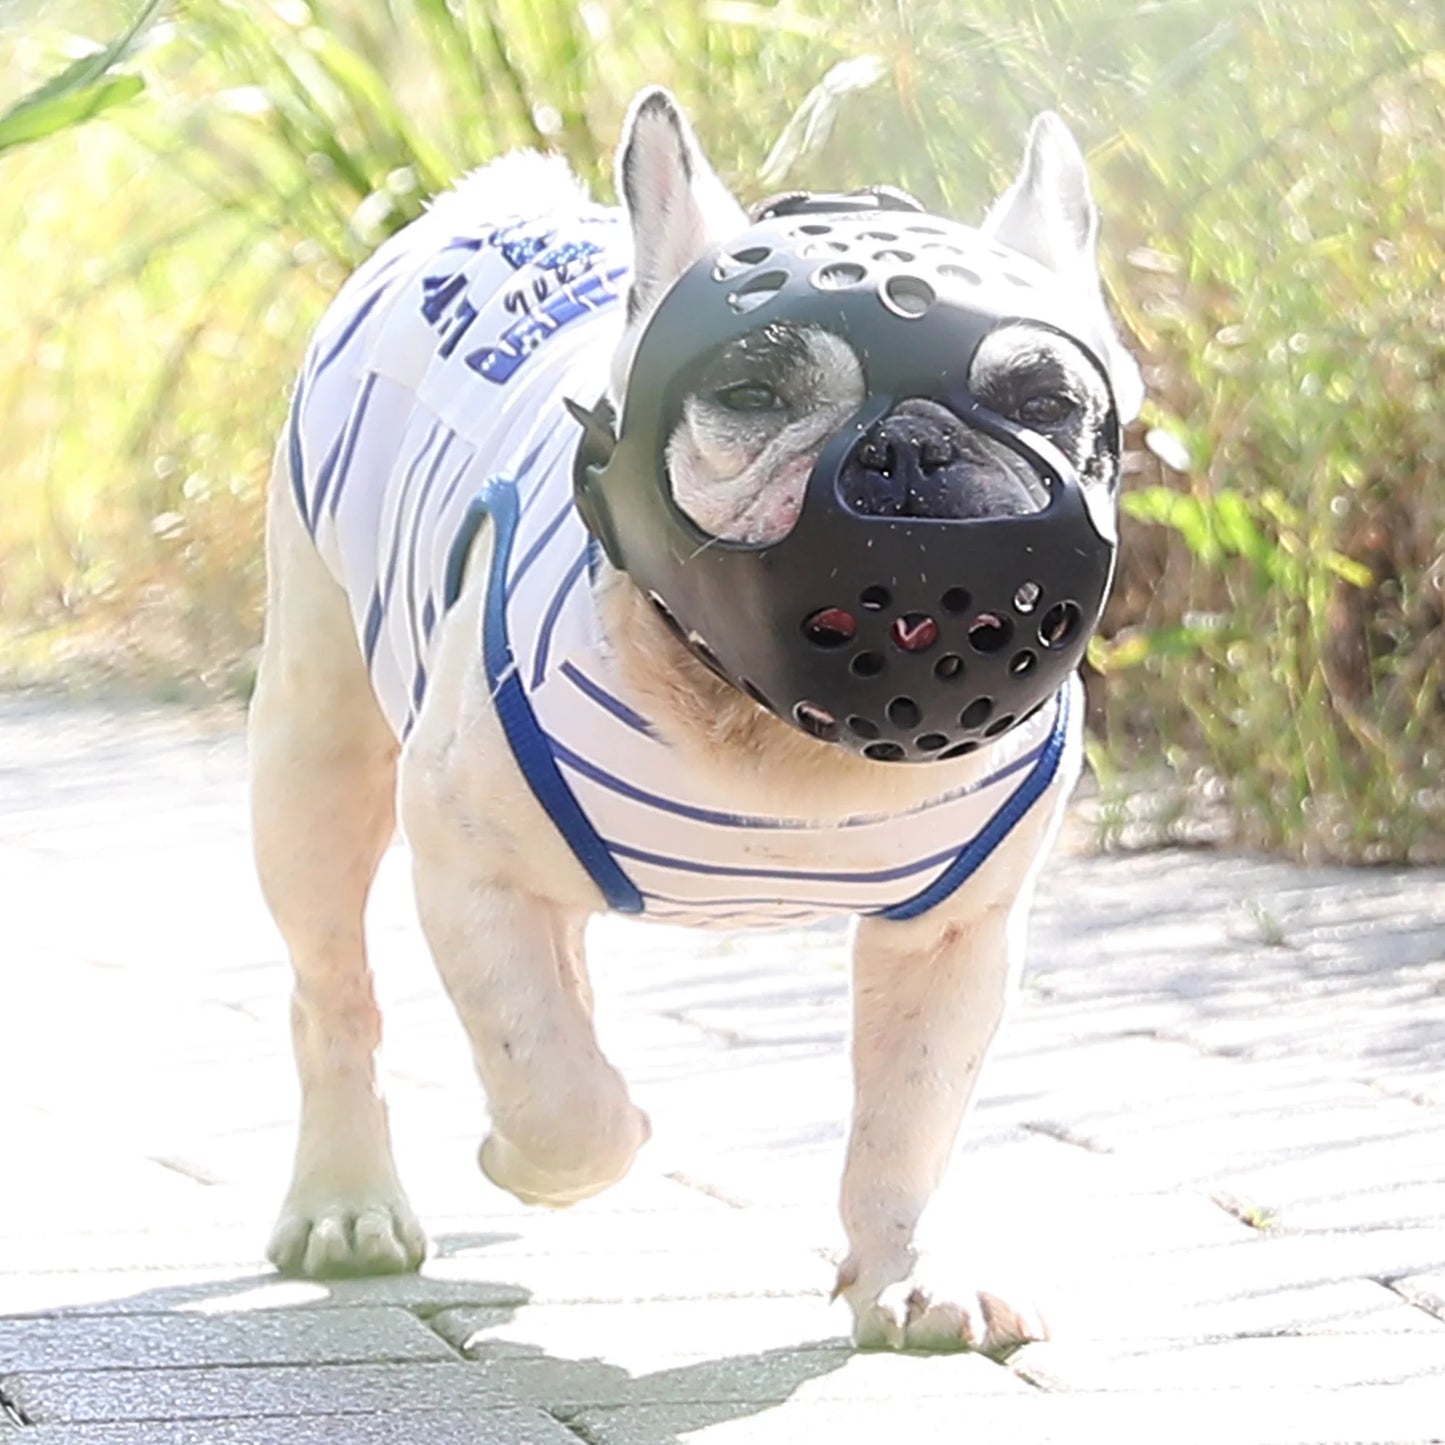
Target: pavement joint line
1262,1218
1063,1134
712,1191
1429,1304
10,1411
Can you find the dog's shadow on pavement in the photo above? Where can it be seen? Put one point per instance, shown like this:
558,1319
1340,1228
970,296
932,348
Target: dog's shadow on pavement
476,1315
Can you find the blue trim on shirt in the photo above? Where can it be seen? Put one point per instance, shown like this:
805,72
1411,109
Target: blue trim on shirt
730,870
554,611
498,500
1003,822
605,700
338,459
621,786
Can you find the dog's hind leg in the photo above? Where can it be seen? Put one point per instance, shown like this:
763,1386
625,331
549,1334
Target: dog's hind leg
323,775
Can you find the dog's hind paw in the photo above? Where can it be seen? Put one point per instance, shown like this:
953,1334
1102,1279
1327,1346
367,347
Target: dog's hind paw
347,1237
925,1312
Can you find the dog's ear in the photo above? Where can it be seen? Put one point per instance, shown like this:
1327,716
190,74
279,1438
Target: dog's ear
674,199
1049,213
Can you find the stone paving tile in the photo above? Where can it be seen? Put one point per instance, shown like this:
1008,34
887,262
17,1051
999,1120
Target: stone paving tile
820,1374
1162,1023
1379,1415
289,1337
412,1427
1425,1291
656,1337
76,1396
1285,1362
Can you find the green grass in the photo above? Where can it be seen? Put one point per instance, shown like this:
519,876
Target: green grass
1271,175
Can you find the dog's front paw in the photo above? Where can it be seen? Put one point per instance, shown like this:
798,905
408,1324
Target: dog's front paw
580,1169
344,1236
926,1306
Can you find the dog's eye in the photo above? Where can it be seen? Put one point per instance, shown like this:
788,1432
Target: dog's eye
1048,408
748,396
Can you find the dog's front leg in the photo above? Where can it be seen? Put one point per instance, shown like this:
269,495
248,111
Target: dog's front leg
928,999
563,1125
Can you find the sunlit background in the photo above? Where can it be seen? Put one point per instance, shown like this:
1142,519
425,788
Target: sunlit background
1272,177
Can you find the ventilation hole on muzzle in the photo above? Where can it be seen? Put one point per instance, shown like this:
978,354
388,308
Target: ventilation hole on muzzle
956,600
914,632
1027,597
699,645
990,632
868,664
903,712
959,750
925,230
838,276
757,290
893,255
875,599
734,263
756,693
948,668
976,713
960,273
1022,663
665,612
907,296
930,742
1059,624
884,752
830,627
816,720
999,725
863,727
878,235
815,228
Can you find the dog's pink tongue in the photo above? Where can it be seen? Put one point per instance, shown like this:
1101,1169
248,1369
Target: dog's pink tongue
915,632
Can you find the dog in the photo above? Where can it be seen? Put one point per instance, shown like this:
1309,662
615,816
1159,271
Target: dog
390,686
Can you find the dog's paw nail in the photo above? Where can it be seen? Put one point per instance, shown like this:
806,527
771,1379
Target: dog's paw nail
341,1238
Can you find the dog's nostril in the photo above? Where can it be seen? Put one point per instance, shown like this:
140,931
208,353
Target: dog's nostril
877,455
830,627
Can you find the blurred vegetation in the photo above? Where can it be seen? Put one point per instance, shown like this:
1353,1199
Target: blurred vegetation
1272,175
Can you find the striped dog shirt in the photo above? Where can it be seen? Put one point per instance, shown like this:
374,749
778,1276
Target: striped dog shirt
431,399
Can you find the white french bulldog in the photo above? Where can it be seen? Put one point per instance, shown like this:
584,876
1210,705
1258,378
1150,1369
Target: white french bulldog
438,374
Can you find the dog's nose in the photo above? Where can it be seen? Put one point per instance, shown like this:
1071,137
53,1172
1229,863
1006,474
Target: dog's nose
904,458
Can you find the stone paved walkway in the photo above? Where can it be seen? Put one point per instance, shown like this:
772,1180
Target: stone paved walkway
1213,1140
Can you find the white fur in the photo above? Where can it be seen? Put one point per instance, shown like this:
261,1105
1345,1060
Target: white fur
504,902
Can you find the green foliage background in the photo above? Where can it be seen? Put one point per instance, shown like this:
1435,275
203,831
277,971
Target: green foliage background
1272,174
